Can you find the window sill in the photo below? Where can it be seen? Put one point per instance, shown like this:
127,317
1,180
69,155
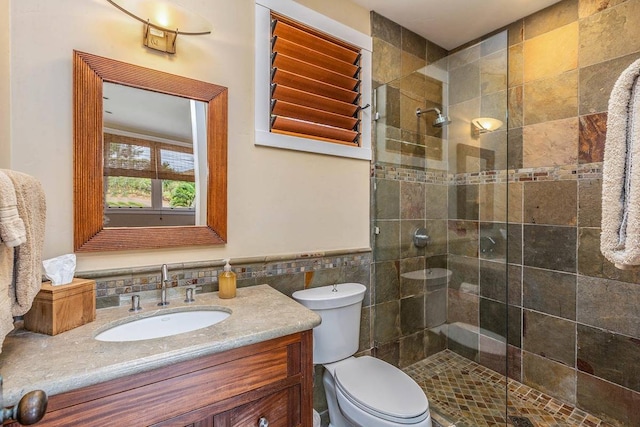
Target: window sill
268,139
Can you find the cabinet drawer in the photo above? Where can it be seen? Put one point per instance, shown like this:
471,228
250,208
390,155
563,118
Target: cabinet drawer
278,409
156,401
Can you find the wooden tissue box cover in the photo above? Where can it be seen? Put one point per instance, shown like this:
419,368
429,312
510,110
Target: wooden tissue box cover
59,308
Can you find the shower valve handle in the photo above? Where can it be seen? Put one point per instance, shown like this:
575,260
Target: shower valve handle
421,238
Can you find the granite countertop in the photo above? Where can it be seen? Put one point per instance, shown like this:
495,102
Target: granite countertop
74,359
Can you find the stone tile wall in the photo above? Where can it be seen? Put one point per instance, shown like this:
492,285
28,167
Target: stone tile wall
402,85
563,62
410,165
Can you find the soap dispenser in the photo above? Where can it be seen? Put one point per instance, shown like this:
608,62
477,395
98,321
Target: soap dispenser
227,282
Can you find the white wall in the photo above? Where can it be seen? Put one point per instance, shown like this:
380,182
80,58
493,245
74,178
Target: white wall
5,147
279,201
349,13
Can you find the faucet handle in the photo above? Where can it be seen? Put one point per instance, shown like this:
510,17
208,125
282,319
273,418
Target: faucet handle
163,286
135,303
189,295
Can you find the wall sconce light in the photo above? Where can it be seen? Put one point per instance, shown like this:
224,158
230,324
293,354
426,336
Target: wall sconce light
487,124
163,21
484,125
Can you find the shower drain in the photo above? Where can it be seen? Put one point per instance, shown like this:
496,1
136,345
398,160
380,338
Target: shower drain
521,421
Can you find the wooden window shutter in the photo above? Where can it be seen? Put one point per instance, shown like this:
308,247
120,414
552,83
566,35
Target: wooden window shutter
315,84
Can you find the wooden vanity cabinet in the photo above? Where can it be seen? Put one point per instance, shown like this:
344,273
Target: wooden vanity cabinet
279,409
271,380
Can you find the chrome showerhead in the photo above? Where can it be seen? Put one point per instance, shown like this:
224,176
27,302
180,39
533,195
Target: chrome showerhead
440,120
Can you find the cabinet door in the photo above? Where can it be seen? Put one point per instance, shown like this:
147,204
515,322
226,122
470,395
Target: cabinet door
208,422
280,409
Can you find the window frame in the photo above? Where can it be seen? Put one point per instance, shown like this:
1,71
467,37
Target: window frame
306,16
155,145
156,203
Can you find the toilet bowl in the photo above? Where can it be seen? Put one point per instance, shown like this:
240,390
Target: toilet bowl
361,391
370,392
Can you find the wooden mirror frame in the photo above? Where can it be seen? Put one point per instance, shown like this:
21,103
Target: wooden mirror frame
89,73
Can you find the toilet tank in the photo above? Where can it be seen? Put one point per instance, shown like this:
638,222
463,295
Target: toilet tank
339,306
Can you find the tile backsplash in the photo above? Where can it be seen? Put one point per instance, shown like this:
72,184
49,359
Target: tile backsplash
286,273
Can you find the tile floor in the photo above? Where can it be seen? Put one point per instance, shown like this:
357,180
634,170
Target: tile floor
464,394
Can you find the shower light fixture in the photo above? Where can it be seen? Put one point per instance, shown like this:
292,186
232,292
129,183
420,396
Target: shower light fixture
486,124
163,20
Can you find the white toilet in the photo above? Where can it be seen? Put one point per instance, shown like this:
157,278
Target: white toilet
361,391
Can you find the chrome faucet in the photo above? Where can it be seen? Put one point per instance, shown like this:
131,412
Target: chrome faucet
164,280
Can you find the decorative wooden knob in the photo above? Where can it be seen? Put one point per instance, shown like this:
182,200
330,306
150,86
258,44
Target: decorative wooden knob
31,407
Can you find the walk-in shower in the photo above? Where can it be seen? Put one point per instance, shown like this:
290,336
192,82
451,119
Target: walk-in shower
479,339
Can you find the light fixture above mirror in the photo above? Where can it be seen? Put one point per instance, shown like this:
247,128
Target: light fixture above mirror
163,21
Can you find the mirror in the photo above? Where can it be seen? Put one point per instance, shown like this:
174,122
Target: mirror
91,73
154,158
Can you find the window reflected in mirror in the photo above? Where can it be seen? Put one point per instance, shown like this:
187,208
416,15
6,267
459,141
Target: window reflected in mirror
151,161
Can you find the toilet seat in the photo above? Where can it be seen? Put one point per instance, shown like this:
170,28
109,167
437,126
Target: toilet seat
381,390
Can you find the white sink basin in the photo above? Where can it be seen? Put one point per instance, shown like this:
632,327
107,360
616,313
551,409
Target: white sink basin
163,325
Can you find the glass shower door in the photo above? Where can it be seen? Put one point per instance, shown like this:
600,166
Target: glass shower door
440,309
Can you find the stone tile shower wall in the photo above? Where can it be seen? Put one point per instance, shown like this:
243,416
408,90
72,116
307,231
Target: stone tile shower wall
580,315
410,165
574,319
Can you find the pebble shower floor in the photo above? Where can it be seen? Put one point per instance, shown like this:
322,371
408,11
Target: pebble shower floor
463,393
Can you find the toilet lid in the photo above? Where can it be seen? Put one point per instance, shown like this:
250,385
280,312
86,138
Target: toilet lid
381,389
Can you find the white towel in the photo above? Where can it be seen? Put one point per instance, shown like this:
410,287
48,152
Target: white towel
27,274
21,266
6,300
620,238
12,231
